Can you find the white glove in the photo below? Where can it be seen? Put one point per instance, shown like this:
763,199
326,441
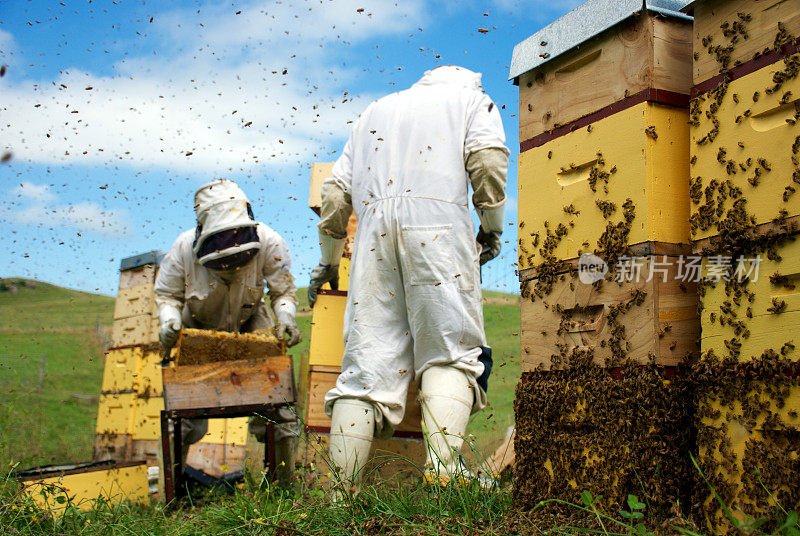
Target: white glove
284,314
169,318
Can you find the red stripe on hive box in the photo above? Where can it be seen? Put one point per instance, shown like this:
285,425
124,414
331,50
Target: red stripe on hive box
652,95
747,67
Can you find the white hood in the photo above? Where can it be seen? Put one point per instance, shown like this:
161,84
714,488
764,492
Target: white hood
452,74
220,205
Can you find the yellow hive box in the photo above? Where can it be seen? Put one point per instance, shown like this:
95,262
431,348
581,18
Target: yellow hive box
148,379
119,371
141,329
761,29
147,418
729,459
134,301
768,321
115,413
230,431
327,345
754,145
85,486
644,151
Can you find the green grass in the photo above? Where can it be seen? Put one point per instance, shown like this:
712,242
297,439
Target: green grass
61,324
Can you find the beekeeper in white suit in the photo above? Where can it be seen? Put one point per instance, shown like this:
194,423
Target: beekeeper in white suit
214,277
414,308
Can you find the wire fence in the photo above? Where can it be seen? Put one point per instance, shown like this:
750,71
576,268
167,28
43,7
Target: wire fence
22,372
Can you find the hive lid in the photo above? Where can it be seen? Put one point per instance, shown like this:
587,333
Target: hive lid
581,24
151,257
690,7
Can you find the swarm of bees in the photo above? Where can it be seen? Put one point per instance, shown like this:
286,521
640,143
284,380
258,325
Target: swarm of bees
635,425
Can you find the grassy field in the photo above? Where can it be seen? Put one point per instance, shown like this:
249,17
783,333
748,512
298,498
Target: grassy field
39,426
53,426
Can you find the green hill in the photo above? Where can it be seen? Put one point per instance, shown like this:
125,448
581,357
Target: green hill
47,424
43,323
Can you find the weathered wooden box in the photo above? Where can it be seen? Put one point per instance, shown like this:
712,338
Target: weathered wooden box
652,318
728,33
322,378
642,53
266,380
626,175
327,343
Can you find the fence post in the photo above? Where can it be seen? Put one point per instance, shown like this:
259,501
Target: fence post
41,374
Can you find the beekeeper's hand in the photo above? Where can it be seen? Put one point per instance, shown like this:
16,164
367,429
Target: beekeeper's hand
287,325
490,245
319,276
169,318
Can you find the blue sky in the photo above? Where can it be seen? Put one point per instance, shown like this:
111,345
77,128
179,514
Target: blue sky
115,112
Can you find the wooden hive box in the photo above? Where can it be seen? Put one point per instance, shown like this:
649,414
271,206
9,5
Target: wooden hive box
717,24
744,145
642,57
135,315
266,380
637,321
744,319
580,182
85,486
322,379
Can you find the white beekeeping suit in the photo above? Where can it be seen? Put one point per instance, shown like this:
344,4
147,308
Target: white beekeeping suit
214,277
414,309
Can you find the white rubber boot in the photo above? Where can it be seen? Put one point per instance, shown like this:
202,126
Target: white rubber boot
352,431
446,406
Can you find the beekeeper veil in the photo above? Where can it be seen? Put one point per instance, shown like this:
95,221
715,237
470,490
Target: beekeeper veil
226,235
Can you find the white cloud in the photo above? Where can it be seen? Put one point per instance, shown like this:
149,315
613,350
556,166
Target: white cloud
35,192
41,208
224,92
8,47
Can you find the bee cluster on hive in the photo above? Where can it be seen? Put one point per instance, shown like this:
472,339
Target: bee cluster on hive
746,381
588,428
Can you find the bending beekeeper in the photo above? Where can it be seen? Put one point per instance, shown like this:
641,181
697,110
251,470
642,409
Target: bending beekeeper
414,309
214,277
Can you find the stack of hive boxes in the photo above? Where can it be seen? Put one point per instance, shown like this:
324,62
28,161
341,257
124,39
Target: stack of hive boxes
395,457
603,170
745,146
131,398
